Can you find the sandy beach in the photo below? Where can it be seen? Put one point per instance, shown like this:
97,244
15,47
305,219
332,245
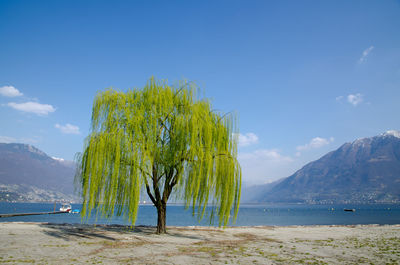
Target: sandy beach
44,243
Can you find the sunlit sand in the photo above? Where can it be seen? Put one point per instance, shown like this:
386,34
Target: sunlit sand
82,244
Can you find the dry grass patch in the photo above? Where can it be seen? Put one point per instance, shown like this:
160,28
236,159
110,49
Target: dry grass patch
106,244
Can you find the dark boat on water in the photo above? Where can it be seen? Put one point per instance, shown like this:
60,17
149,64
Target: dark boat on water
349,210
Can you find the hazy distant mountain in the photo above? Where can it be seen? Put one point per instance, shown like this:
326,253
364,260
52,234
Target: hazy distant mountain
28,174
364,171
252,194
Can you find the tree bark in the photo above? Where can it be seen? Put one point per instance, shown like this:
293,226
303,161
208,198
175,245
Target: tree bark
161,217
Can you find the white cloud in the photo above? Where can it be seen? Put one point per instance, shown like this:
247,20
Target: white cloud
68,128
265,165
10,91
247,139
365,54
266,155
355,99
315,143
58,159
33,107
7,140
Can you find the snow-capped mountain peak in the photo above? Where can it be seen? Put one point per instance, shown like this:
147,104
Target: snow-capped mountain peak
392,133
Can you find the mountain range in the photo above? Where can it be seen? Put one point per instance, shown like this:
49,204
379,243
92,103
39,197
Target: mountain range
364,171
28,174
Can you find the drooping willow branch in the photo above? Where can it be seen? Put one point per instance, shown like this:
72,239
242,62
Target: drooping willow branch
166,140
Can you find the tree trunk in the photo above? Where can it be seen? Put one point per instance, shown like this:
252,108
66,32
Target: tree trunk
161,218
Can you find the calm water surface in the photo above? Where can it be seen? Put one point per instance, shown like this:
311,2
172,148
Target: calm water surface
249,215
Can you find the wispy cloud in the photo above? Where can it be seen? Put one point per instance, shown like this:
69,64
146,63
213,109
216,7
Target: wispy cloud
10,91
247,139
33,140
365,54
68,128
315,143
355,99
7,140
33,107
339,98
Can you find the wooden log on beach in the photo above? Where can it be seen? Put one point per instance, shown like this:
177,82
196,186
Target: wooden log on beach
24,214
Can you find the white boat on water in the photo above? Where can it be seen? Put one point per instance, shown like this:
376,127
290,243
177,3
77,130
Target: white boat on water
66,207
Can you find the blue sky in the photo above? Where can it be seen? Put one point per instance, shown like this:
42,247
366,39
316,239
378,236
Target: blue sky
303,76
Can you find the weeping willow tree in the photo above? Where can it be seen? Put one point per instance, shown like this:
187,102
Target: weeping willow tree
160,139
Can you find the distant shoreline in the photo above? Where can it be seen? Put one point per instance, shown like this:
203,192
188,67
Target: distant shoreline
241,204
196,226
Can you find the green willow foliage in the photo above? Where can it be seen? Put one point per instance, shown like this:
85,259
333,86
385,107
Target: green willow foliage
160,136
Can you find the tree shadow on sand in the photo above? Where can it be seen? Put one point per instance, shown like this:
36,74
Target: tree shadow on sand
71,231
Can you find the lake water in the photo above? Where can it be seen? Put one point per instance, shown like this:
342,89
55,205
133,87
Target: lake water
249,215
